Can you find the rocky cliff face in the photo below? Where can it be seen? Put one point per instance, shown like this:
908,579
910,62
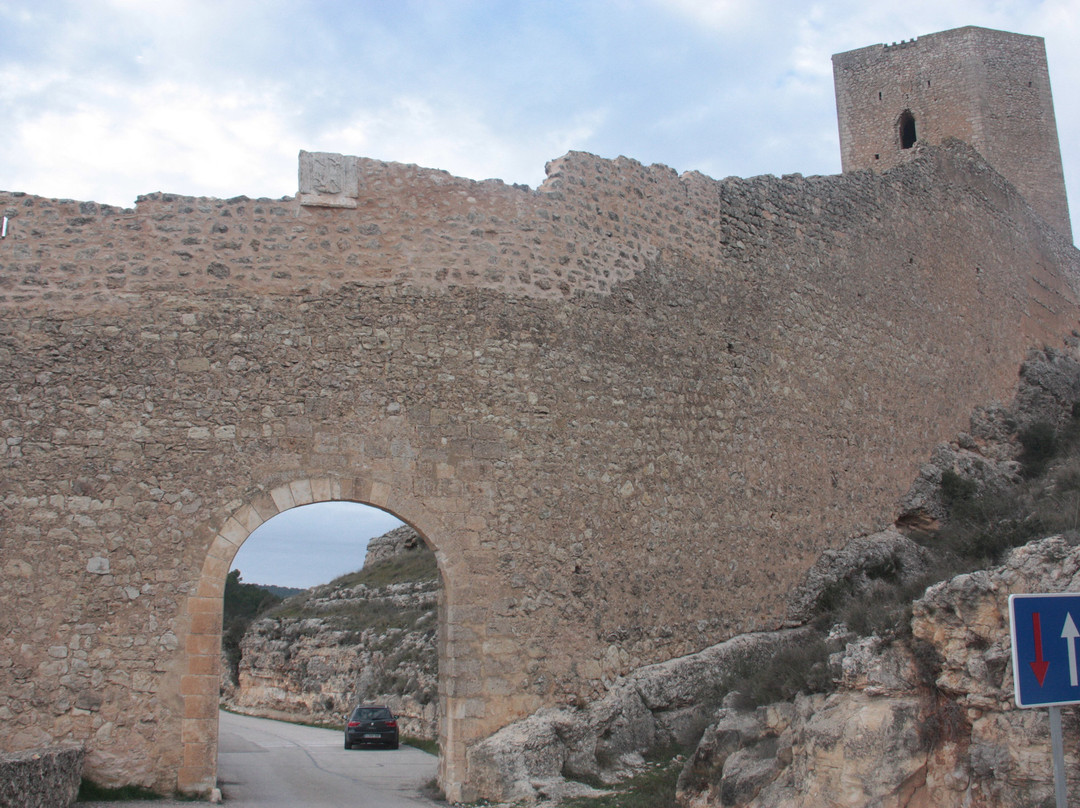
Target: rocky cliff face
366,637
927,723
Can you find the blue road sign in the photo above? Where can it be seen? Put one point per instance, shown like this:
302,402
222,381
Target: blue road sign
1044,652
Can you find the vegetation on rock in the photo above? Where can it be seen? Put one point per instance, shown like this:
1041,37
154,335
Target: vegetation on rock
242,603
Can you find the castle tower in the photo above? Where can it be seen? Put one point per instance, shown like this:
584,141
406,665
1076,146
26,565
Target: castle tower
988,88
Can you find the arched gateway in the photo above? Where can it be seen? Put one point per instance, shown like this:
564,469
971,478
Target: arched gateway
628,410
201,682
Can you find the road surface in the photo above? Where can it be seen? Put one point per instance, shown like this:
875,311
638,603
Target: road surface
271,764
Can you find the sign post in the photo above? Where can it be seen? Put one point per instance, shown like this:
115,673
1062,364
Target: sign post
1044,659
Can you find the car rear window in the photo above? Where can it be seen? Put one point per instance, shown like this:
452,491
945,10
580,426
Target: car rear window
371,714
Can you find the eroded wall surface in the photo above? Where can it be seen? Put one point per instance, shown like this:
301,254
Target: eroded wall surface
988,88
628,410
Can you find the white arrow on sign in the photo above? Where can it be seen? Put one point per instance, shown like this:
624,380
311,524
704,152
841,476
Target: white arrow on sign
1069,634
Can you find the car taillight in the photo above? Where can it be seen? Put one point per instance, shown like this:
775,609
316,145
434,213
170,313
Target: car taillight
354,724
391,724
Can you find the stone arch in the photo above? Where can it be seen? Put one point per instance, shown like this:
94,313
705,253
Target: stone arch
201,671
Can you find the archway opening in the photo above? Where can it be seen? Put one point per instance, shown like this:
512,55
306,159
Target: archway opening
200,679
906,126
350,617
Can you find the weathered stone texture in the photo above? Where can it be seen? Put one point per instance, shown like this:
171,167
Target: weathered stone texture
988,88
936,726
41,778
627,411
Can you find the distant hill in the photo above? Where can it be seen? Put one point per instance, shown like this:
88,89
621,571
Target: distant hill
281,591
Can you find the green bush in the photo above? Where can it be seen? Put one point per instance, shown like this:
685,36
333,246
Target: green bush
801,667
875,600
882,611
654,787
956,488
1040,444
983,527
417,565
423,744
241,604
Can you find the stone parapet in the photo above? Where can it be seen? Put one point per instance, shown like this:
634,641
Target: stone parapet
41,778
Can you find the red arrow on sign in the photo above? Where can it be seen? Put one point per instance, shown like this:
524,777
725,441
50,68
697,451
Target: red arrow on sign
1040,665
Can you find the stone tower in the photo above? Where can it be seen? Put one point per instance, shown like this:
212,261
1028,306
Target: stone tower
988,88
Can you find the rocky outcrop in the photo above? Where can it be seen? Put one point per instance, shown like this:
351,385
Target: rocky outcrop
319,654
394,543
853,569
553,753
924,721
930,722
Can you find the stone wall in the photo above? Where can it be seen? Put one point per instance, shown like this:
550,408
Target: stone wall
627,411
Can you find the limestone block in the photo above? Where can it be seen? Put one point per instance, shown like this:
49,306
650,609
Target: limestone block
328,180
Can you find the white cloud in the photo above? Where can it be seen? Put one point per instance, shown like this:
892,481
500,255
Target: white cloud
115,141
113,98
721,15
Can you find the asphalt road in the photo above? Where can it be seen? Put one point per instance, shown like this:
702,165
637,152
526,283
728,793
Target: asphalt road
271,764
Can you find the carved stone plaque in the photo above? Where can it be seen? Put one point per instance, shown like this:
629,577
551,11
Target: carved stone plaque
328,180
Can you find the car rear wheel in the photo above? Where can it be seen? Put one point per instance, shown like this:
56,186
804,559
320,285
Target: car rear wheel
348,745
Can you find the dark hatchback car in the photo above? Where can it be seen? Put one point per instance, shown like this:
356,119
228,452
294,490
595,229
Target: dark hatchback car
371,725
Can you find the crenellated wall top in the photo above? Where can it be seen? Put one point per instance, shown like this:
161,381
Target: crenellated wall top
593,224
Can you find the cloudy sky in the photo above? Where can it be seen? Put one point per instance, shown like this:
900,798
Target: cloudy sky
311,545
108,99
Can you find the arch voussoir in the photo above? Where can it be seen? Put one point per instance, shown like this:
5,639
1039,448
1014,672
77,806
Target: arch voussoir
201,676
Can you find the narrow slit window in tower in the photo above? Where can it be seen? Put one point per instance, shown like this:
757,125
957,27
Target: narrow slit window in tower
907,129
